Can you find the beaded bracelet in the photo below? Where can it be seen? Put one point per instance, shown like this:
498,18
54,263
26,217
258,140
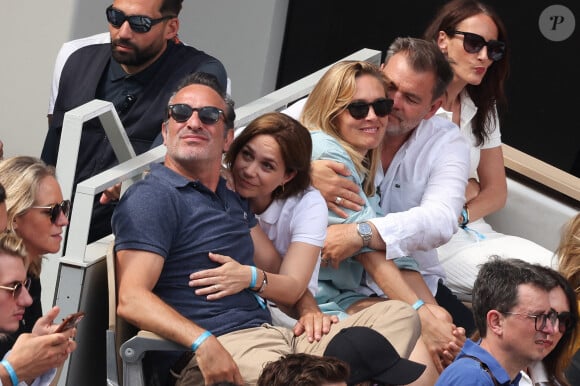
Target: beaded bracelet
200,339
418,304
11,372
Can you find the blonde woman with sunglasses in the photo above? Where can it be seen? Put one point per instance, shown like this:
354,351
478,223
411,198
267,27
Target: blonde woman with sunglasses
37,214
474,40
347,114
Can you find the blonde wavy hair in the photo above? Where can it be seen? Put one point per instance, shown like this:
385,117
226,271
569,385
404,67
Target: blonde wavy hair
21,177
568,253
11,244
329,98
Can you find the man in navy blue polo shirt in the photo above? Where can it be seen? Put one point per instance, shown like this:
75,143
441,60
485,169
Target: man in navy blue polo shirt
166,225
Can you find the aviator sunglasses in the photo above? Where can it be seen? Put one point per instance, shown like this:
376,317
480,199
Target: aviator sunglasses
17,288
360,110
181,112
55,210
473,43
140,24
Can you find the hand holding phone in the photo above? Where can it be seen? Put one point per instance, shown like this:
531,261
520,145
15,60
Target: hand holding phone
70,321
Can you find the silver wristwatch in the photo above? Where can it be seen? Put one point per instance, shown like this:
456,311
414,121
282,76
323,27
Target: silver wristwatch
365,231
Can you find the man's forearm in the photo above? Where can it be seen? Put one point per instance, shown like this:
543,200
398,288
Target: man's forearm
304,305
377,243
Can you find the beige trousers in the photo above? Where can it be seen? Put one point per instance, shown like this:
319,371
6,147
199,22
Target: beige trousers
253,348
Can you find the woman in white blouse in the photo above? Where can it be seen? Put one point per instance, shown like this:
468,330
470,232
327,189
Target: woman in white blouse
473,38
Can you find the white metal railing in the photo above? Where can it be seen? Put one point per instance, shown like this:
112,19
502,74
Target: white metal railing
66,167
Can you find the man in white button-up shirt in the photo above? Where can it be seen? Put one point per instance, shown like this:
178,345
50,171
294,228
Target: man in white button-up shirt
425,163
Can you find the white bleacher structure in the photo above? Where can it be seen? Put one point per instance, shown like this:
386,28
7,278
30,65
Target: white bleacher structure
540,200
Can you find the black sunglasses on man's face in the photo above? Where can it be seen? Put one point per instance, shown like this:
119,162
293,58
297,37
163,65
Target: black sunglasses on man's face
181,112
139,24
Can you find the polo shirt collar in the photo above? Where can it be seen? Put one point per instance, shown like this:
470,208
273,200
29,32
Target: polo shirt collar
177,181
474,349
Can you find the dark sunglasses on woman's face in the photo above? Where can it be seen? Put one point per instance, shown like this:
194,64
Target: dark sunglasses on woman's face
181,112
359,110
473,43
564,321
55,210
139,24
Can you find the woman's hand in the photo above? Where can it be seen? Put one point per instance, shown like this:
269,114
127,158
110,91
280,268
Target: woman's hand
443,339
228,279
314,324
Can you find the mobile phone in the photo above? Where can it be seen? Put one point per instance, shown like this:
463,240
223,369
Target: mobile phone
70,321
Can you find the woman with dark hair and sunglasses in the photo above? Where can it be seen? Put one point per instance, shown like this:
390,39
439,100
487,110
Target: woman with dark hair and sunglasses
550,371
347,114
36,213
473,38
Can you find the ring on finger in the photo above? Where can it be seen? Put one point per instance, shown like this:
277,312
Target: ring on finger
324,261
338,200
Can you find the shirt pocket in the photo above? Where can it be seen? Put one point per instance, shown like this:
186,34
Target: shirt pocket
406,194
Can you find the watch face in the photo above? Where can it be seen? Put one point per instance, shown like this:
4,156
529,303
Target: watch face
364,229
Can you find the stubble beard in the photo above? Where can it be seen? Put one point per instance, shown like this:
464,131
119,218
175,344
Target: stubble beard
136,58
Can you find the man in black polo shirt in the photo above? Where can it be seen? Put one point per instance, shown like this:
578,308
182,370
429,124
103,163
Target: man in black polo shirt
136,71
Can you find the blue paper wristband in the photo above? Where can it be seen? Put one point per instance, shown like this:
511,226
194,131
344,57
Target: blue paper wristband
200,339
254,277
418,304
11,372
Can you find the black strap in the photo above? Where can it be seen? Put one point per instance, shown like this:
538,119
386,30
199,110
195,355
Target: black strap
485,368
